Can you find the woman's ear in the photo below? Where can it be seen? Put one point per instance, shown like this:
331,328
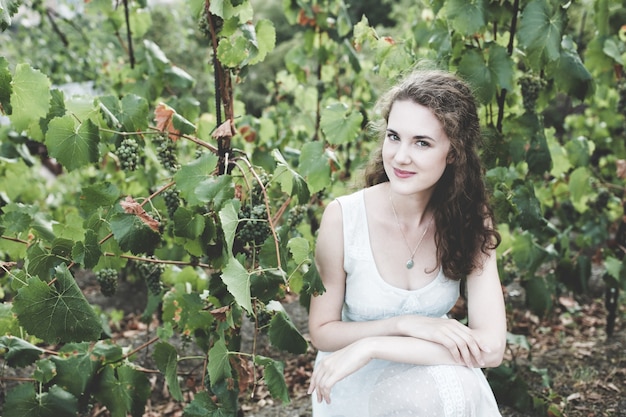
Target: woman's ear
451,158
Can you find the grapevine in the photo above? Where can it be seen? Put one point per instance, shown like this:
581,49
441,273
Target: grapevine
108,280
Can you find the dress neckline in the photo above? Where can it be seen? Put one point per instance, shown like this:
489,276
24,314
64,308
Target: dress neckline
379,276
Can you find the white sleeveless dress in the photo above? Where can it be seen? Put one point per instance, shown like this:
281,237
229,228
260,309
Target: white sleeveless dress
383,388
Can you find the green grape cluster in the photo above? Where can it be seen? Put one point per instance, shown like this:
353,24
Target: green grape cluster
107,278
296,215
151,272
263,317
166,152
256,193
128,154
204,25
531,86
253,225
172,201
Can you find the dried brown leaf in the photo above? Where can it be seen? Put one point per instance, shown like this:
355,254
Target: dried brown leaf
130,206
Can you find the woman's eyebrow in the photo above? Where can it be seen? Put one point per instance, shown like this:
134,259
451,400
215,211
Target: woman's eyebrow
414,137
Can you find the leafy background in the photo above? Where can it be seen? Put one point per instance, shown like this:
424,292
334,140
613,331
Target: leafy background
189,151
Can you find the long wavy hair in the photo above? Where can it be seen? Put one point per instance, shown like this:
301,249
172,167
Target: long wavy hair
460,204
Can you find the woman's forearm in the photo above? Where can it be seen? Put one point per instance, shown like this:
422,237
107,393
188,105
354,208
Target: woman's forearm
336,335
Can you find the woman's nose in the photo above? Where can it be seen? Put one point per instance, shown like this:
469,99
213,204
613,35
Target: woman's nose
402,154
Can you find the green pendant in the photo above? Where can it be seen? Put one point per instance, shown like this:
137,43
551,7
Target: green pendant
409,264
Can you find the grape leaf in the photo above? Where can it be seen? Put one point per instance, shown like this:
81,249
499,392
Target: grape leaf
216,190
87,253
133,234
73,147
24,401
130,113
580,188
58,312
18,352
573,78
284,334
123,390
314,165
300,249
339,124
187,223
466,16
291,182
98,195
75,368
7,9
202,405
191,175
265,40
237,282
230,220
219,365
30,98
166,359
274,377
5,86
540,31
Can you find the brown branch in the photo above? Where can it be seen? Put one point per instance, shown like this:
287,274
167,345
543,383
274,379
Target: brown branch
129,35
502,96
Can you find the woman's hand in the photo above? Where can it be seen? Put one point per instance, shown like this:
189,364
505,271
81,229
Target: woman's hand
336,366
459,339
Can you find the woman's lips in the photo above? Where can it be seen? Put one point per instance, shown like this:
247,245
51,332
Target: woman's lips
402,174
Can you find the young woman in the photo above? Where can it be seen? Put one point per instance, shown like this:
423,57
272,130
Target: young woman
392,257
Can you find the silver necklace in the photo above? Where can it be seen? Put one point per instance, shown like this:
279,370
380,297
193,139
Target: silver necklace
409,264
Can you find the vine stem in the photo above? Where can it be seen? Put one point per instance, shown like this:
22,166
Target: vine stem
139,348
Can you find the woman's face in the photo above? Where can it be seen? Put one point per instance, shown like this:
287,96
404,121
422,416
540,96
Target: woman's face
415,150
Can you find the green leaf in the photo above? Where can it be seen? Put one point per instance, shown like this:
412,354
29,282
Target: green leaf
229,219
133,234
487,76
538,294
131,113
300,249
274,377
30,99
88,253
5,85
45,371
8,322
580,188
17,352
166,359
527,206
466,16
98,195
313,284
7,9
527,254
571,76
123,390
202,405
40,262
73,146
75,368
190,175
265,40
291,182
237,282
315,166
540,32
284,334
24,401
58,312
187,223
219,364
339,124
216,190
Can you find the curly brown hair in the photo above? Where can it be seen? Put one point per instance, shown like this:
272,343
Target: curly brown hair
463,216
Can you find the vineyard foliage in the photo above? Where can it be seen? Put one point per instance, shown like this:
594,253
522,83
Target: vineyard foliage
205,138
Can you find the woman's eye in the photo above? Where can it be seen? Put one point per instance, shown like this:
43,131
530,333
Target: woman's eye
392,136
